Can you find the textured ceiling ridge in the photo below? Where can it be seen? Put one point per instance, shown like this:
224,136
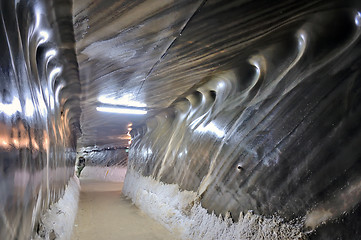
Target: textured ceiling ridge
171,44
179,47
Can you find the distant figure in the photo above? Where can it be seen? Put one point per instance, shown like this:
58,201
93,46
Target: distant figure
81,165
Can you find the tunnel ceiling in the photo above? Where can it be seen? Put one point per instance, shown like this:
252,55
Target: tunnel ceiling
152,52
123,50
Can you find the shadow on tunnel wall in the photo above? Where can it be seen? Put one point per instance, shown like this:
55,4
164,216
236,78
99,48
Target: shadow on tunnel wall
275,129
39,111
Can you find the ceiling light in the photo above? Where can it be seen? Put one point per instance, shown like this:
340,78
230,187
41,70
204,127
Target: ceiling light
122,110
125,100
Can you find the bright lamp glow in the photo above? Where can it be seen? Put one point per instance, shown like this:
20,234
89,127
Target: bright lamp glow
125,100
121,110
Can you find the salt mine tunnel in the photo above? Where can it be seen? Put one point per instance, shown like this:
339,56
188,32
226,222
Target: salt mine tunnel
231,119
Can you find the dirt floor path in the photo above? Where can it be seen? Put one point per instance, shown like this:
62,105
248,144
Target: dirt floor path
105,214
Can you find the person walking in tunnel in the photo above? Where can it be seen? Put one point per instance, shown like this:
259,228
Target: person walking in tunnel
80,166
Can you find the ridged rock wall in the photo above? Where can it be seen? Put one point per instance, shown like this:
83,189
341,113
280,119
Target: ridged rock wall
274,129
39,111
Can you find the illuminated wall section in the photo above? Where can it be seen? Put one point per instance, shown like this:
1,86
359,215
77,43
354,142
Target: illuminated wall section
39,111
268,146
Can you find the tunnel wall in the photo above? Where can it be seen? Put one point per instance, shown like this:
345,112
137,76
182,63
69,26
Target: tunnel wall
104,157
39,111
274,133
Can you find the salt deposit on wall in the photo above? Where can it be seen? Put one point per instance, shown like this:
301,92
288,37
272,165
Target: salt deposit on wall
58,221
274,126
181,213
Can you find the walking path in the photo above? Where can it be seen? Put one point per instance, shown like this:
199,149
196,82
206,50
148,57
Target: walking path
105,214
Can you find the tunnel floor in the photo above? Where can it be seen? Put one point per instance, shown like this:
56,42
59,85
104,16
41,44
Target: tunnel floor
104,213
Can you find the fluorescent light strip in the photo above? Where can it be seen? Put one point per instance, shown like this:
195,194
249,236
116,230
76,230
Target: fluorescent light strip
121,110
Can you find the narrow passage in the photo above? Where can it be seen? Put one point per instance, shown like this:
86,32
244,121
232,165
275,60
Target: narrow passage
104,213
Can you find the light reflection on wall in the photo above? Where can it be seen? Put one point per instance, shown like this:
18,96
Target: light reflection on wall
129,135
39,87
11,108
210,128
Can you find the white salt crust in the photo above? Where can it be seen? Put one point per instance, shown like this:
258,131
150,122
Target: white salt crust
179,213
57,222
